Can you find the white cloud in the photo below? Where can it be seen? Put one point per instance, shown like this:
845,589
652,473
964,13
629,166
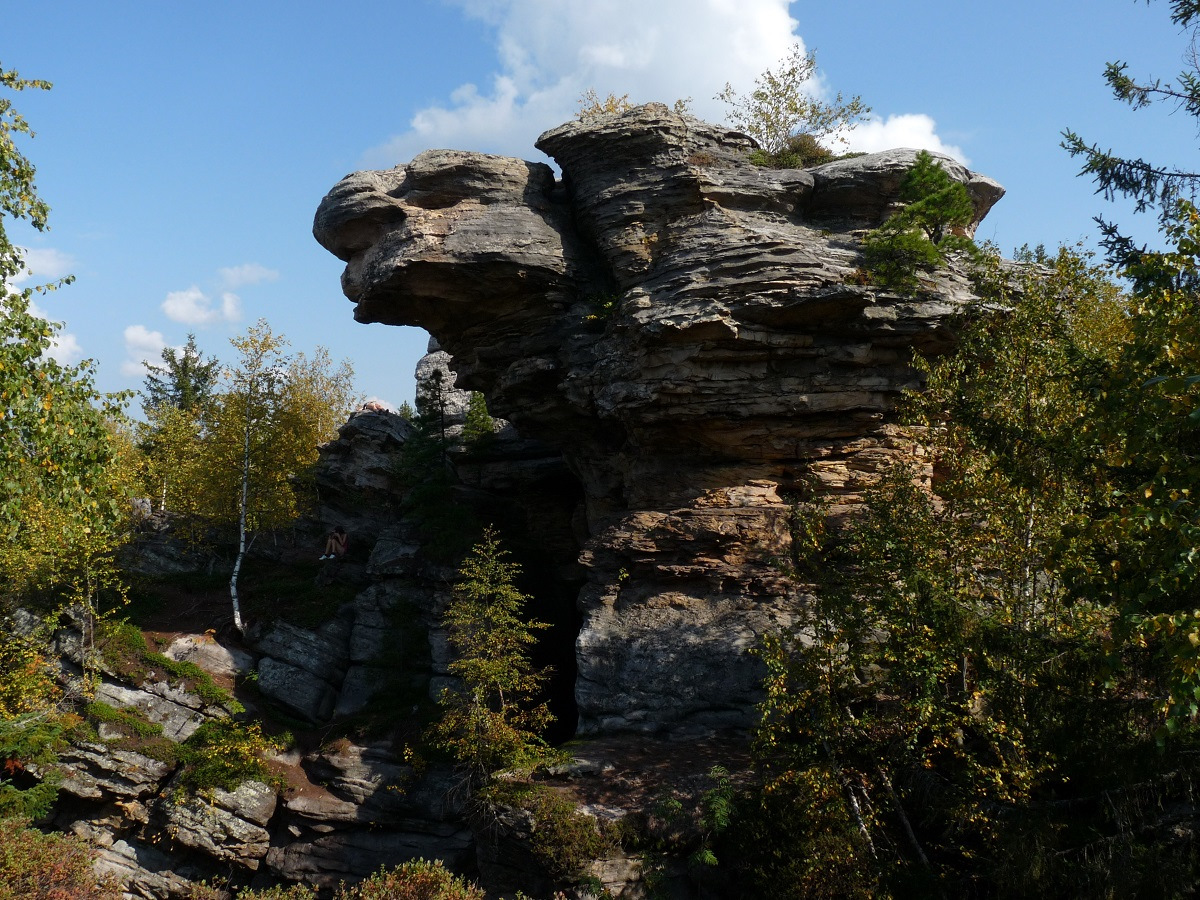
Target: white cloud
247,273
913,130
231,307
65,349
551,52
141,345
64,346
45,264
194,307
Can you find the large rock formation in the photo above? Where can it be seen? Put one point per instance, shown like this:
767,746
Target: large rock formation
693,333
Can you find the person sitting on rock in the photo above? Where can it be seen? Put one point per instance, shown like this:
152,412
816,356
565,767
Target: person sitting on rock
336,543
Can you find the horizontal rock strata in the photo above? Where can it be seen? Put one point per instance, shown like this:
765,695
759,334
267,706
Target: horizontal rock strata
692,333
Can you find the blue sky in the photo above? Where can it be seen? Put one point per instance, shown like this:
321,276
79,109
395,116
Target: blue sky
185,147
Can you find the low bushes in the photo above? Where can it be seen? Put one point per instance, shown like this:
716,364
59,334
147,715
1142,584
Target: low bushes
37,866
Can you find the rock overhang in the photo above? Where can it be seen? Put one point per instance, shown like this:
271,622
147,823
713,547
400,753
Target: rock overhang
676,320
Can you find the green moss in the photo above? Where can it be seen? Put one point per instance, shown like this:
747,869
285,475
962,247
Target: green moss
122,647
125,719
136,732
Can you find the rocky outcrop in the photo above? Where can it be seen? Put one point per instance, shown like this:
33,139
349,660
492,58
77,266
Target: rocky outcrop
678,342
335,813
98,771
229,826
693,334
356,480
178,711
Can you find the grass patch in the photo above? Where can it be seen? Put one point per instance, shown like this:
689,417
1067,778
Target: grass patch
123,649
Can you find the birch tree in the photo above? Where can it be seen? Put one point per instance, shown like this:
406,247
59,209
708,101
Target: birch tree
63,503
264,429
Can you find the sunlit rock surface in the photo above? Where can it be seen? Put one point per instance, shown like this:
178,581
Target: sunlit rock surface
693,334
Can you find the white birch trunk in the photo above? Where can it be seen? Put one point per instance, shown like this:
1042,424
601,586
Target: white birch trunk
242,506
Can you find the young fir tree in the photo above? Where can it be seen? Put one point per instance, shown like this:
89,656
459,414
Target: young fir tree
185,380
447,526
478,428
496,720
175,397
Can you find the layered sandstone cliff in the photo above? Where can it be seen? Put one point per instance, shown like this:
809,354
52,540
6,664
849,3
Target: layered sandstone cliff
693,334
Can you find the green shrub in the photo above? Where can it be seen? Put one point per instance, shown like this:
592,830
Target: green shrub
418,879
800,152
223,753
32,801
294,892
893,258
782,106
563,839
796,838
37,866
478,427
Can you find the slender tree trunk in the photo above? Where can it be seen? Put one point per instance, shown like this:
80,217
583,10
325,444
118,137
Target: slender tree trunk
242,507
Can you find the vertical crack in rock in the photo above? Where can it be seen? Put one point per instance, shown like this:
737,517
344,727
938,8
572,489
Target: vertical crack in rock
686,328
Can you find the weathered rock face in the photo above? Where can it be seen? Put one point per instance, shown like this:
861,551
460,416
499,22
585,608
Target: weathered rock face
355,481
346,810
690,331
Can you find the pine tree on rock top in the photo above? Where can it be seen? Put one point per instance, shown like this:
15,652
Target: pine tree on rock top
920,237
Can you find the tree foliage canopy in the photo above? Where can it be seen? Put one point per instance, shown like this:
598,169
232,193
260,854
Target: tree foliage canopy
65,477
18,193
1150,184
952,697
185,380
63,507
